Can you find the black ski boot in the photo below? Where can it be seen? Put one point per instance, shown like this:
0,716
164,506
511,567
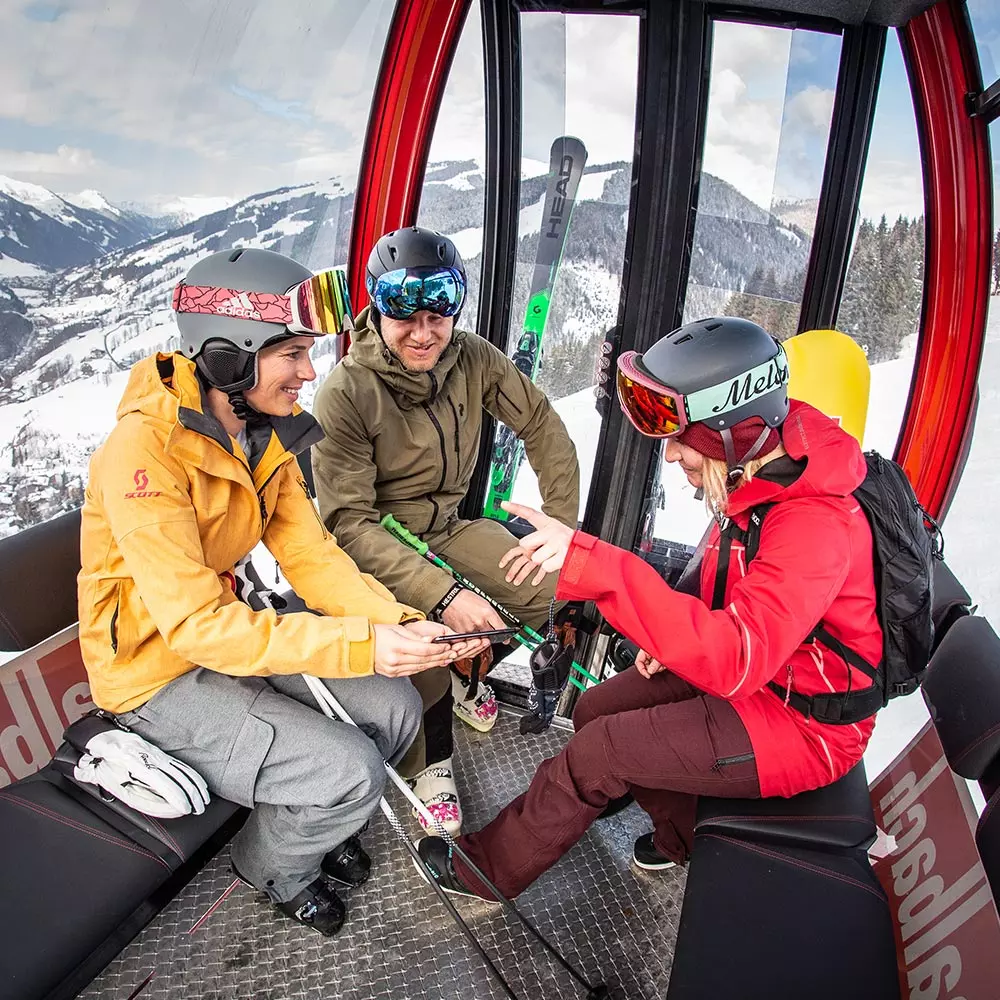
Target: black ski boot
348,864
436,854
317,906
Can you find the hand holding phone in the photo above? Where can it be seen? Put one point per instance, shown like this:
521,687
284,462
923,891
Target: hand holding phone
493,634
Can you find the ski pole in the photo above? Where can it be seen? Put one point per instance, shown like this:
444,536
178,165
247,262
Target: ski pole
420,546
331,707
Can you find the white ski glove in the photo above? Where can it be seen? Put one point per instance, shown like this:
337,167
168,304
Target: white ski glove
141,775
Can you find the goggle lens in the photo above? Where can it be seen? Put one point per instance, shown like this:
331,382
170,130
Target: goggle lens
401,293
652,413
322,304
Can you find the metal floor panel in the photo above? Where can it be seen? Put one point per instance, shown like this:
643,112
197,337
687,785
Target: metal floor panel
615,923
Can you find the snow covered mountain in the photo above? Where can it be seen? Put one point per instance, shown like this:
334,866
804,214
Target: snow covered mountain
41,228
69,331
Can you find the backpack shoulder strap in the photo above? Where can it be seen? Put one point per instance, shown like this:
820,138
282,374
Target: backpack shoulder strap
751,542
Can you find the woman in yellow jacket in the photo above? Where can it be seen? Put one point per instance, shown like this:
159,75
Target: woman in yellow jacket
199,469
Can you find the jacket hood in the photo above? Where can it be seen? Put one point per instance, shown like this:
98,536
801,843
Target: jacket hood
369,350
166,387
835,465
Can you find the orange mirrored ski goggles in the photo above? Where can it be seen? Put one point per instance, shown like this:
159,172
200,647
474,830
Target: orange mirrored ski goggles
658,411
317,306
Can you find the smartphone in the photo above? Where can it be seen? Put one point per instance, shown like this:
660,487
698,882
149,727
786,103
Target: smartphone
496,634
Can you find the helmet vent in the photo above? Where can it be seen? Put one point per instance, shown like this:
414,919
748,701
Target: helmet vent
711,327
684,339
236,254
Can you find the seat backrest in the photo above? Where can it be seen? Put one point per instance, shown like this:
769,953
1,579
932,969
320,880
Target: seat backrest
38,583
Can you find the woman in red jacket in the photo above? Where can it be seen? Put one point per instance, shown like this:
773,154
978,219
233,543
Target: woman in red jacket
709,707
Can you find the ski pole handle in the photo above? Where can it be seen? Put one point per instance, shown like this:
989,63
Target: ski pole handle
405,535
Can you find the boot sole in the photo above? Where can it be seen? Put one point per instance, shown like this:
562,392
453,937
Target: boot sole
453,892
480,727
653,866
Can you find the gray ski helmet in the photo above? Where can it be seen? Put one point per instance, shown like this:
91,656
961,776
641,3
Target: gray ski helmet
225,347
710,352
412,246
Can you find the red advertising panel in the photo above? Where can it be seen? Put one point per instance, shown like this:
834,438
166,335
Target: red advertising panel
946,924
41,692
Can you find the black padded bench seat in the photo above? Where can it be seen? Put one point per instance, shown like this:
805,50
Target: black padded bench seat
782,902
81,877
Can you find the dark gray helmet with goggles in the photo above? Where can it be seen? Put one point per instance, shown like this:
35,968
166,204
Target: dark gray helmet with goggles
413,269
233,304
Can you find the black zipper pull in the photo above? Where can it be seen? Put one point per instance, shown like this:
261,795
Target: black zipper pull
263,509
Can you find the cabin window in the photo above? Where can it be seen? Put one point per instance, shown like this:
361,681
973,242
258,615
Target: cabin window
564,93
452,200
883,290
985,18
134,142
968,528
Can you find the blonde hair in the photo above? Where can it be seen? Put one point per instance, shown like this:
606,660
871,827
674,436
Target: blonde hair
715,478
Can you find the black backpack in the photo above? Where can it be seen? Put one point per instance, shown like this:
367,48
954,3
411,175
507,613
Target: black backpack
905,541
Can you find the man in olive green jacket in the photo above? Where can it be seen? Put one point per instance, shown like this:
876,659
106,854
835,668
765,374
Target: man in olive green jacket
403,415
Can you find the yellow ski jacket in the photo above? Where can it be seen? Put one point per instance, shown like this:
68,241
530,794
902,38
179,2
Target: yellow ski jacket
172,504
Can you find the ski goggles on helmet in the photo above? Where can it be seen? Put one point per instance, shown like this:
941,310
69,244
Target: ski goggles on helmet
317,306
401,293
658,411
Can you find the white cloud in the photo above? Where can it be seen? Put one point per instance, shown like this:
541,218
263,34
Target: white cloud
66,160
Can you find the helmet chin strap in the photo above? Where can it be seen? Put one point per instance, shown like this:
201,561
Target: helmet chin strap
736,466
244,411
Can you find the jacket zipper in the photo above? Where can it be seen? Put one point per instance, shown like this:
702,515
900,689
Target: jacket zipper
741,758
454,413
114,627
260,498
444,458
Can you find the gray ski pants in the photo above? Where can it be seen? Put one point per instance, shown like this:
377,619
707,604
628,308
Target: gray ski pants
262,743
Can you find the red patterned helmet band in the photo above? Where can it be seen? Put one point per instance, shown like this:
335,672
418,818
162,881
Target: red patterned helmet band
264,307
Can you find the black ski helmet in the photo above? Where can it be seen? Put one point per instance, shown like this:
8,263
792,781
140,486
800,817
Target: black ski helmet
225,347
412,246
711,352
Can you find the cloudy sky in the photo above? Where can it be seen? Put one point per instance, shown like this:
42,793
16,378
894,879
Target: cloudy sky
151,101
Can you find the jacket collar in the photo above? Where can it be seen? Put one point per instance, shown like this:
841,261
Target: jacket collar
410,388
835,465
167,387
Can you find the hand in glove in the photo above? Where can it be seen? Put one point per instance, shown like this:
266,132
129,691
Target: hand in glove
141,775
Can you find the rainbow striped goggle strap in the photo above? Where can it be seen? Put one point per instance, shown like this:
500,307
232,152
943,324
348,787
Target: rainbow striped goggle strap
317,306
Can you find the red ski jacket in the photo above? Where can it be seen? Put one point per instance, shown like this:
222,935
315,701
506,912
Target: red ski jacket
814,564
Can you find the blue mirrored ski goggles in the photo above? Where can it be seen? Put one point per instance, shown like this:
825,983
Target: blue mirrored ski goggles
399,294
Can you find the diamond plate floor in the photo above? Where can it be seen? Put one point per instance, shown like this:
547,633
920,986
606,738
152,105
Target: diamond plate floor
617,924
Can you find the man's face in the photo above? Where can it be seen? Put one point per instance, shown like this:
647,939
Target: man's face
419,341
282,369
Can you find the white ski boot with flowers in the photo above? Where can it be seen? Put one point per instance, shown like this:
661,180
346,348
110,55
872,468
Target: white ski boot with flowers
435,787
479,712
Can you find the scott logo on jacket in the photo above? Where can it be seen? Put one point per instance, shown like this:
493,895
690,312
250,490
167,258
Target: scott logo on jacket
141,481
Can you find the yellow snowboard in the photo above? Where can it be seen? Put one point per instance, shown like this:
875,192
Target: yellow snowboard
828,370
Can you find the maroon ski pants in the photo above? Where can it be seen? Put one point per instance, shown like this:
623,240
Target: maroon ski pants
661,739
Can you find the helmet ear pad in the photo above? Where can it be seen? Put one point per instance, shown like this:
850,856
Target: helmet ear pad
226,366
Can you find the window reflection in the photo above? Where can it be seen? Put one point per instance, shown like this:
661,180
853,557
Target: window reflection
452,200
883,290
132,142
769,110
985,18
562,95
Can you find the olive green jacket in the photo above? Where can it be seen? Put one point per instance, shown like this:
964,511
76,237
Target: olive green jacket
406,443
